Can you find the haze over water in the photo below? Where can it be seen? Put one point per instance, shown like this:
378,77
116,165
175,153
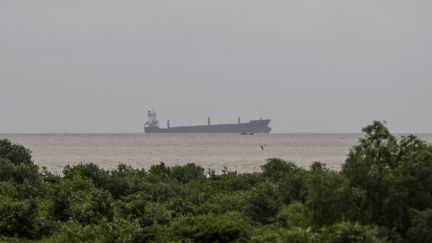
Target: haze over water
216,151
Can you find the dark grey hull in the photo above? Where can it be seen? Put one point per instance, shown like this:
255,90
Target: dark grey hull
255,126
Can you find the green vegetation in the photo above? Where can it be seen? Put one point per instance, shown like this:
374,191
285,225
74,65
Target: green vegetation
383,193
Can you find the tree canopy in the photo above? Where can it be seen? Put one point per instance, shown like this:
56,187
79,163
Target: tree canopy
383,193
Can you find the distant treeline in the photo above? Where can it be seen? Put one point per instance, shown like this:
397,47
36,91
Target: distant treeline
383,193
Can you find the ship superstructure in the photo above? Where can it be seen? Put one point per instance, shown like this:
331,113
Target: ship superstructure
251,127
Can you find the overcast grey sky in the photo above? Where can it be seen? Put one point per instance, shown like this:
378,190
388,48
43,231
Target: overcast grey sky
311,66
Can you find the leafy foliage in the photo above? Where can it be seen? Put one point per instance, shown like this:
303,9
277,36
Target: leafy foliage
15,153
396,177
383,193
351,232
294,215
17,218
210,228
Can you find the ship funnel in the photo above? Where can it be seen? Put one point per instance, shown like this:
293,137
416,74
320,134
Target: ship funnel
168,123
239,120
208,121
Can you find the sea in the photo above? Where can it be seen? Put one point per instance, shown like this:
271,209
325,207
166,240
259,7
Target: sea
234,152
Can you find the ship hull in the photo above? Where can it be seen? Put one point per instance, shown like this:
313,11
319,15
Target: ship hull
255,126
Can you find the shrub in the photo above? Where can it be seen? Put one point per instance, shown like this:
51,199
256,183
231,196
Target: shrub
24,177
420,231
17,218
91,171
7,190
278,169
382,194
223,202
301,235
160,171
210,228
331,198
289,178
263,202
90,207
395,176
62,196
15,153
230,181
351,232
186,173
294,215
137,208
268,233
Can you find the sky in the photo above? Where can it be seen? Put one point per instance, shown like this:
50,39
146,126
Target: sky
312,66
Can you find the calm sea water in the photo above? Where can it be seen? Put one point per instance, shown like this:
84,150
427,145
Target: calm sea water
242,153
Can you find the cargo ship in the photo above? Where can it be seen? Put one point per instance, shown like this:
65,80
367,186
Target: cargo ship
246,128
